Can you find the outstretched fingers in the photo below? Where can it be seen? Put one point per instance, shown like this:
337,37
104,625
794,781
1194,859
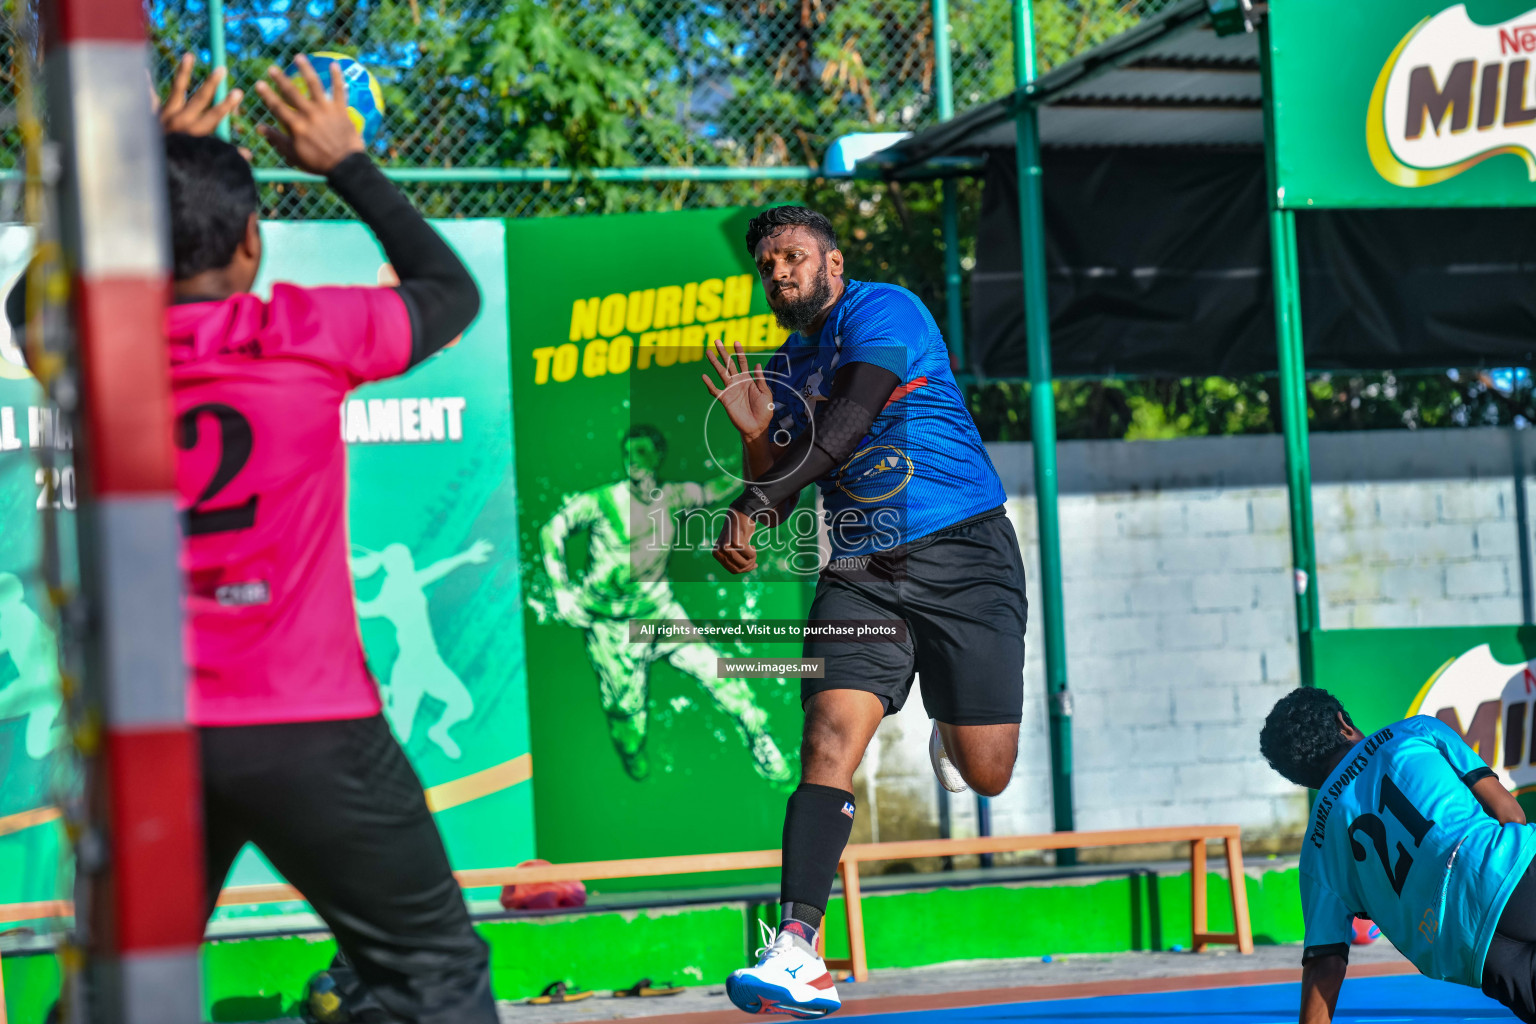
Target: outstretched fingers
315,95
179,83
338,86
207,109
286,101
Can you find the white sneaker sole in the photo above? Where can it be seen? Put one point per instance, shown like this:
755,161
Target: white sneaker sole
752,994
949,776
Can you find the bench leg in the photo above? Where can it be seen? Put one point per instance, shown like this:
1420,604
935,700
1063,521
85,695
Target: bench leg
855,913
1197,893
1240,922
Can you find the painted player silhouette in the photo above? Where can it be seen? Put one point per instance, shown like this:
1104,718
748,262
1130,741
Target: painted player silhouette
419,669
631,524
35,690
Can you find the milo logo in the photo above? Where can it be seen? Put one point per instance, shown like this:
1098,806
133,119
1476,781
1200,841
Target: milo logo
1453,94
1489,704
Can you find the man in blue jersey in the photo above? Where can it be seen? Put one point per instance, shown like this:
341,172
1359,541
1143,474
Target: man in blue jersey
860,400
1412,830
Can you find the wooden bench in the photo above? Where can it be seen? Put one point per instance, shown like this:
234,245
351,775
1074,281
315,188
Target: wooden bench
855,854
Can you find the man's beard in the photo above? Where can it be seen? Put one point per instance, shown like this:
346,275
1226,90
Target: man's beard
798,314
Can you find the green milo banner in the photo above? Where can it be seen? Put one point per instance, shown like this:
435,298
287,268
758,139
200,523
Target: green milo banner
1479,680
643,747
1404,103
435,563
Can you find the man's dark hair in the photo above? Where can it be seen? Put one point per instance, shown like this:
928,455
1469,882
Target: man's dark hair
1301,738
212,196
771,222
648,432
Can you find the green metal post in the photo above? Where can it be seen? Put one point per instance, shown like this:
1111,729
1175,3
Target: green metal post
1042,400
1293,391
218,54
944,87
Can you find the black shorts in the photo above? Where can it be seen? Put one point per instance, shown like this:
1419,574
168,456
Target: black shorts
961,592
1509,971
337,808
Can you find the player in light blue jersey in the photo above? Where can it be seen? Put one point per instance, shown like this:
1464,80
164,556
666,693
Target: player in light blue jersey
860,401
1412,830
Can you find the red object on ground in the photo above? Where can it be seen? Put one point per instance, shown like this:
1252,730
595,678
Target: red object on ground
543,895
1366,932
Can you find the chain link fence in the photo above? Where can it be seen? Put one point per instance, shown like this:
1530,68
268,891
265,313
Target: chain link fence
588,84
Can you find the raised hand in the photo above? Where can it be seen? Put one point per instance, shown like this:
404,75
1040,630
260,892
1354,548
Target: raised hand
317,132
479,551
743,393
199,115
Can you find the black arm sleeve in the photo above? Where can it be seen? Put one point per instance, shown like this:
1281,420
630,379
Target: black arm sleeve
859,392
437,288
1477,775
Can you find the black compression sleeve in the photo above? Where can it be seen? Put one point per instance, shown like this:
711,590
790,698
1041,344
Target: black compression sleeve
1477,775
859,392
434,283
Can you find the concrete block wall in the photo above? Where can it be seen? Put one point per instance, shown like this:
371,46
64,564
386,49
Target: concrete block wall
1180,622
1415,553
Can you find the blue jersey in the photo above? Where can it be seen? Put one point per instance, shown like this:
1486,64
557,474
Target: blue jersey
922,466
1396,835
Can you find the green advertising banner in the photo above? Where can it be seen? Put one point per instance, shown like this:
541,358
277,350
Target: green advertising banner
644,746
433,504
434,554
33,855
1404,103
1479,680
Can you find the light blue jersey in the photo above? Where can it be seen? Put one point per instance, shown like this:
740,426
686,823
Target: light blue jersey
1398,837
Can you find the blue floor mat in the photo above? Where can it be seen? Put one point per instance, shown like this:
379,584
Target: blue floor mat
1397,1000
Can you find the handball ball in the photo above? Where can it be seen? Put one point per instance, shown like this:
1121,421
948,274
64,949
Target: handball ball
365,100
1366,932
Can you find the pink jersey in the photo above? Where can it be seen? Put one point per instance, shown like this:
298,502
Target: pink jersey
262,472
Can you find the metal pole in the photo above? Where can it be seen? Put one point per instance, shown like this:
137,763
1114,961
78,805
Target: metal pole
1042,401
945,88
1298,461
1522,521
1293,390
138,859
218,54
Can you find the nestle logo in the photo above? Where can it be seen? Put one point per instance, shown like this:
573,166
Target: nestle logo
1517,39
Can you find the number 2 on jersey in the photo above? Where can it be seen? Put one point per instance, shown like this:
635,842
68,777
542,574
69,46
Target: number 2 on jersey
1394,802
235,444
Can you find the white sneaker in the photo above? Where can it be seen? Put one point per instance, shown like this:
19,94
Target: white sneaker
787,979
949,776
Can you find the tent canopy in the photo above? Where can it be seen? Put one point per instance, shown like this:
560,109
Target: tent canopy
1171,81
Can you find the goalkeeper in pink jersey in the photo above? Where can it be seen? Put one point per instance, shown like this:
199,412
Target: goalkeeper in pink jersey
296,756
